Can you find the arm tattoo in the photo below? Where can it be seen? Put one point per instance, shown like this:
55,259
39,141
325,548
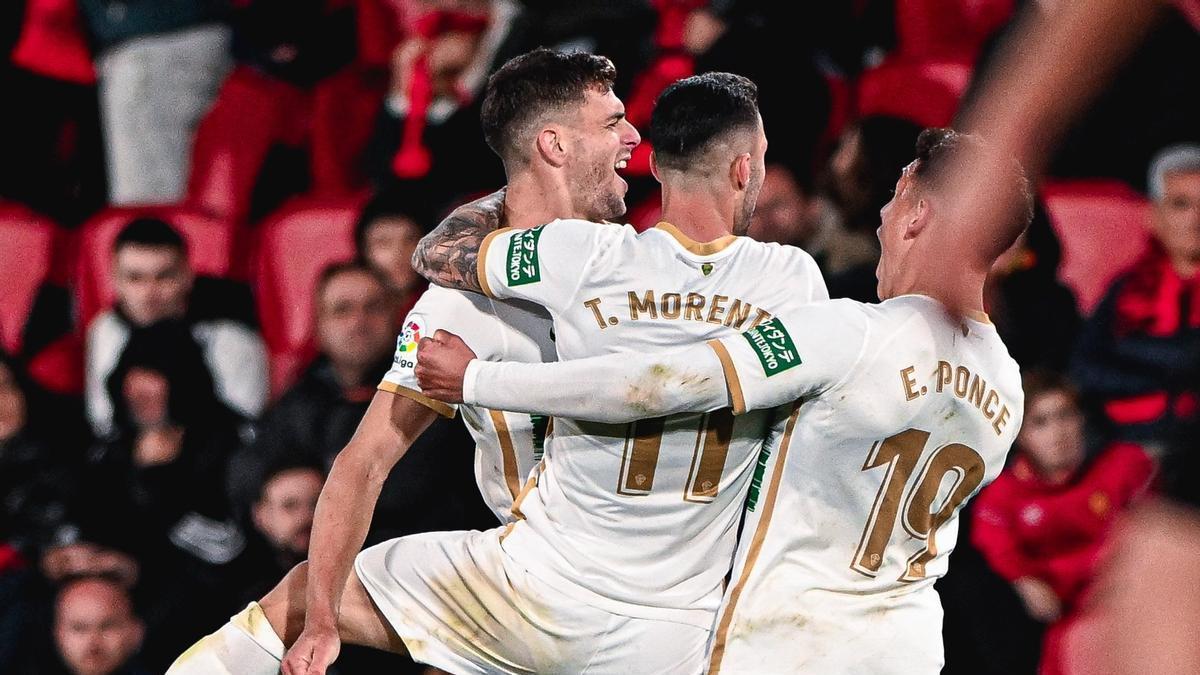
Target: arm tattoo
449,255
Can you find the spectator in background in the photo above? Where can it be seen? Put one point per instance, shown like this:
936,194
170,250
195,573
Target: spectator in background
355,326
859,180
153,282
790,212
1042,525
34,476
155,486
1138,356
158,65
1023,291
385,236
313,421
283,519
95,629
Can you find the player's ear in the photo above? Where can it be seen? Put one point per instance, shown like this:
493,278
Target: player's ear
550,146
739,171
918,220
654,166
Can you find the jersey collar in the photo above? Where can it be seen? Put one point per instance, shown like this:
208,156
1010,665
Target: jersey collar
699,248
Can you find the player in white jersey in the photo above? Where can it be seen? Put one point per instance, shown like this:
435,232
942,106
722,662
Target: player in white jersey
609,500
541,97
508,445
902,411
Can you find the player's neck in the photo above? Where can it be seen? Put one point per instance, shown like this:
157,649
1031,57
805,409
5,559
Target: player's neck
698,214
530,202
958,289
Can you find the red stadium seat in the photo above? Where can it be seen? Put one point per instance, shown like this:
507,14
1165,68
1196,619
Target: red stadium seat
1103,226
297,243
925,92
26,250
209,248
948,28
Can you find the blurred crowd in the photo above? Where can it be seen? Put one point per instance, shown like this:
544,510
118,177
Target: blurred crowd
207,209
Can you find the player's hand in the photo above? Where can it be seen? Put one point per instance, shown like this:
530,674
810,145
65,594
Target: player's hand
314,651
441,366
1040,600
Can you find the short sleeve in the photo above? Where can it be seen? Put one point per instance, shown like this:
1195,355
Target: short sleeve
797,354
444,309
544,264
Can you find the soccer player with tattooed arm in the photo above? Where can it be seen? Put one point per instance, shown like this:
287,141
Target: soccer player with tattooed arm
560,130
898,413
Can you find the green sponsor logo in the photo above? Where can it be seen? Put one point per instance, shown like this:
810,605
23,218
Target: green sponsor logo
774,346
523,267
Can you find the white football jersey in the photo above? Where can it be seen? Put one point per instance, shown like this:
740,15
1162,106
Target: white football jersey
641,518
508,445
904,413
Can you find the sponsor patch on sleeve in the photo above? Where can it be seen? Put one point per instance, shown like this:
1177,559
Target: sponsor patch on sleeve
773,346
406,344
523,265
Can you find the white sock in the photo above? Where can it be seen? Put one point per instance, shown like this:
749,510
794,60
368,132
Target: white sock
247,645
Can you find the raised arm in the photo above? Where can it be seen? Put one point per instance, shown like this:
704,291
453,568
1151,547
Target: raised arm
613,389
449,255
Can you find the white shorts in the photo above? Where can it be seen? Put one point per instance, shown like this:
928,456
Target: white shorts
462,605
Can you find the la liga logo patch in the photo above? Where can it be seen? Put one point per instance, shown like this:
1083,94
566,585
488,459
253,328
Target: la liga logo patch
406,344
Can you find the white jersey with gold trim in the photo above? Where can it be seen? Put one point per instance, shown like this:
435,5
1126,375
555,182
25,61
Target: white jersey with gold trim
641,518
906,413
508,445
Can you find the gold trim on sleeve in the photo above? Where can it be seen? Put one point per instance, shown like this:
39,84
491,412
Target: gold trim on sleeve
731,377
481,262
443,409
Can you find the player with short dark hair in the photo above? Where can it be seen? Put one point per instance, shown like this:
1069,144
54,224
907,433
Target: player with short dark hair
563,136
898,413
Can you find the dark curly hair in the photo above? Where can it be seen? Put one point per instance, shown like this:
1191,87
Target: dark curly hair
532,85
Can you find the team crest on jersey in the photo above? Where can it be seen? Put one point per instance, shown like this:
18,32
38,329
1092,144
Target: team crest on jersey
523,265
406,344
773,345
707,268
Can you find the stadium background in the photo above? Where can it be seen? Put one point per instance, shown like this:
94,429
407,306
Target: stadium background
273,134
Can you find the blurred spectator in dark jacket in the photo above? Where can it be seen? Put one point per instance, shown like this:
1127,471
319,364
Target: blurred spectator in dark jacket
163,468
789,211
1023,292
385,236
159,64
282,517
355,330
96,630
859,181
1044,523
35,476
1138,356
155,486
153,282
